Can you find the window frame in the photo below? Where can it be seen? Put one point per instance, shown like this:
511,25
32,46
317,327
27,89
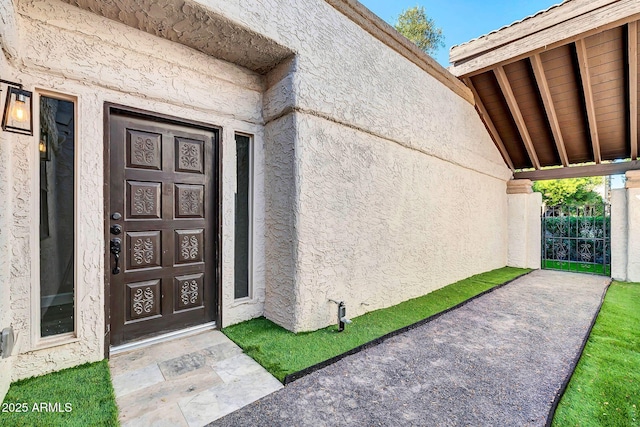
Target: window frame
250,206
37,340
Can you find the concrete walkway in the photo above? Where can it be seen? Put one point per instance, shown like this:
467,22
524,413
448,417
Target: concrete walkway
497,361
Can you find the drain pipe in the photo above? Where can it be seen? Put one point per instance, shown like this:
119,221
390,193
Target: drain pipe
342,314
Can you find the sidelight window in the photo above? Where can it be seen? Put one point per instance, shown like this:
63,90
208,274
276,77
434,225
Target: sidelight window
57,223
243,216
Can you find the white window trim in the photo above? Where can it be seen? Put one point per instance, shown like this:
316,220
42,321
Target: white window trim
37,341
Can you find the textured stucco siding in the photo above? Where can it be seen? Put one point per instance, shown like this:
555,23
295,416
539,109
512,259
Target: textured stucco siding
517,229
380,223
6,220
373,182
633,234
524,230
619,226
73,52
344,73
281,177
430,207
362,102
534,225
8,45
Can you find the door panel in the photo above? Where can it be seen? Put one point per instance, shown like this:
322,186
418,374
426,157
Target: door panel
163,190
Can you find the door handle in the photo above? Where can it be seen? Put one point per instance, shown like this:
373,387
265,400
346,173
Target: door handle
116,248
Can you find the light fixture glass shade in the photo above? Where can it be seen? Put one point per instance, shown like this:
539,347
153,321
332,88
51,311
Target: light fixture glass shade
17,112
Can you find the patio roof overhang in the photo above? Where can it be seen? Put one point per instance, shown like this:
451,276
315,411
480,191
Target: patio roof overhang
559,89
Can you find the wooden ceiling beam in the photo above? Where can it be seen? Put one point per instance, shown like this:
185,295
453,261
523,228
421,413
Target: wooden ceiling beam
552,117
484,115
632,55
603,169
507,92
583,65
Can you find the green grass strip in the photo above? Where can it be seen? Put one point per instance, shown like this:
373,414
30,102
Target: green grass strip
79,396
605,387
578,267
282,352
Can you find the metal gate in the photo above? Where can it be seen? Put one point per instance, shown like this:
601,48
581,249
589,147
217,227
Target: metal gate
577,238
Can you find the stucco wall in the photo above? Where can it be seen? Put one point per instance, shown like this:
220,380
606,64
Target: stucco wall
380,223
517,229
72,52
6,214
346,74
524,230
619,224
396,187
382,184
534,225
8,45
633,234
625,229
354,82
281,213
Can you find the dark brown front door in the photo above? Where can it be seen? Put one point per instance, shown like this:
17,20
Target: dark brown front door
162,234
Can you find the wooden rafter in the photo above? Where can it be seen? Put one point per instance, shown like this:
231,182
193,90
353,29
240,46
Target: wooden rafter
552,117
487,120
603,169
505,86
583,64
632,54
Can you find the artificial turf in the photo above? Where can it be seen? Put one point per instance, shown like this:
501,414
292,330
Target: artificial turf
603,391
605,387
282,352
577,267
79,396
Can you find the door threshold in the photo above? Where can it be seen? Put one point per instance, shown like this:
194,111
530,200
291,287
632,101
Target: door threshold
113,350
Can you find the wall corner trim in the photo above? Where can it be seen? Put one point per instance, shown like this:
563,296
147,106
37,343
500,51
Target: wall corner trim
519,186
633,179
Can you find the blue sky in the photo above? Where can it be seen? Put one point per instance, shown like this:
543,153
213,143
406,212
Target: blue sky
461,20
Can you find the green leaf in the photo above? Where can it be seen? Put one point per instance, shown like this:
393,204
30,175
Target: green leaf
414,24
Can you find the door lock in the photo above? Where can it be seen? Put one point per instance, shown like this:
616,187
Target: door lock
116,248
116,229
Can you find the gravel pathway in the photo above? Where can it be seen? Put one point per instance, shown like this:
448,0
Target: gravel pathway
497,361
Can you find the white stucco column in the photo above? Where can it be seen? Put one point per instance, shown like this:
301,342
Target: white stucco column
619,234
524,230
633,226
9,44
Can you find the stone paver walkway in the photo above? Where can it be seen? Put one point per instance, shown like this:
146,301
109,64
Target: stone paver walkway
497,361
188,381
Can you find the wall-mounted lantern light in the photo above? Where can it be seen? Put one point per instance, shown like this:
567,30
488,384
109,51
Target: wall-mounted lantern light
17,116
